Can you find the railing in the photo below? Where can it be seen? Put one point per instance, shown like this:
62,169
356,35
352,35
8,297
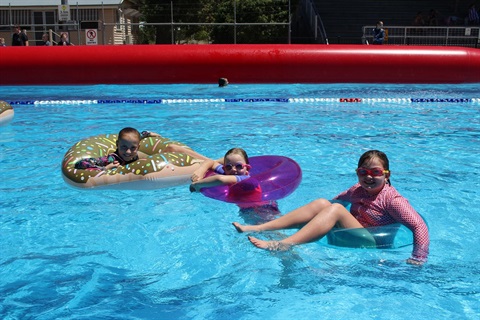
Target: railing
176,37
427,36
174,28
314,21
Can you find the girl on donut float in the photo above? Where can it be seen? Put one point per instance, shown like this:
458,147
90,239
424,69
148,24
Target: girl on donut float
127,151
374,203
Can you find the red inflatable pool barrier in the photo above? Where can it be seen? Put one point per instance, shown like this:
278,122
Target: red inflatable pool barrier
150,64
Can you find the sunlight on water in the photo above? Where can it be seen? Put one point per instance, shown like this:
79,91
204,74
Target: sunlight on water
169,254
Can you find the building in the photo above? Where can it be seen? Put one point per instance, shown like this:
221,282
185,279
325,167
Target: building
112,21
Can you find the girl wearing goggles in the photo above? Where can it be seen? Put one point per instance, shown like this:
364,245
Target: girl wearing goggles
231,169
128,144
374,203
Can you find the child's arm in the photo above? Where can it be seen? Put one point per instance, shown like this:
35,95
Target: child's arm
206,165
102,163
213,181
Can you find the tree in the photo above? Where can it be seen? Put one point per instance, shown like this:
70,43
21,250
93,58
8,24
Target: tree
252,11
215,11
155,11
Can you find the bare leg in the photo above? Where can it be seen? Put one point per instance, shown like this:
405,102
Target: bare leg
315,229
182,149
294,218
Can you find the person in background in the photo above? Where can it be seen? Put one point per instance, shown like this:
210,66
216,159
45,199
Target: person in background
378,33
419,20
433,17
45,40
64,40
2,42
472,15
222,82
374,202
19,39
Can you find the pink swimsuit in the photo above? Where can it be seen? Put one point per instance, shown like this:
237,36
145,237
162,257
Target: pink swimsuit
388,207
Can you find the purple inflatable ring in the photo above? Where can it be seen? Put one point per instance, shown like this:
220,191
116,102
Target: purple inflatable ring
277,177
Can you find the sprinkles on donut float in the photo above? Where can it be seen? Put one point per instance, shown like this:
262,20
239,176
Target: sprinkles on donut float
6,113
153,169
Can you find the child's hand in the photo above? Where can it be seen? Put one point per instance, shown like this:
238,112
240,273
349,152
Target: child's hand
197,175
146,134
112,165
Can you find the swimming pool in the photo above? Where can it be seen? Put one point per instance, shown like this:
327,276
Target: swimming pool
169,254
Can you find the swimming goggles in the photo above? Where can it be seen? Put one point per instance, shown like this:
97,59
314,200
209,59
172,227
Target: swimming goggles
375,172
238,166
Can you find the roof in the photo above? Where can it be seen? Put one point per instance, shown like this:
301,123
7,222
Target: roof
72,3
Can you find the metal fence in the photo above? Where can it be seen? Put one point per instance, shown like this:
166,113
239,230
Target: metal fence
117,27
120,35
310,16
427,36
178,35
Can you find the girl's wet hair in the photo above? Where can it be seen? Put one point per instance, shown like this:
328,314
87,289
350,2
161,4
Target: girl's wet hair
375,154
129,130
240,151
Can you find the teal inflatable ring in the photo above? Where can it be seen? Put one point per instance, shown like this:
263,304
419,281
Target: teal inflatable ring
383,237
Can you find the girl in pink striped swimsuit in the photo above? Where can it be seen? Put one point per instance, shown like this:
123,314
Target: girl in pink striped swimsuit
374,203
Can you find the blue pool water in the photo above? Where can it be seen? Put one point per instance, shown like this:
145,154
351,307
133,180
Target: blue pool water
169,254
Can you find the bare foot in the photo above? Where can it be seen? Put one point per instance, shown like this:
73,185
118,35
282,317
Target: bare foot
241,228
269,245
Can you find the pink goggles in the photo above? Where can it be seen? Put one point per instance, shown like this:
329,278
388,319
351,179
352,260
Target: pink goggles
238,166
374,172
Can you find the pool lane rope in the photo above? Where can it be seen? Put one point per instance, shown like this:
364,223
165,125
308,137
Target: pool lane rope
246,100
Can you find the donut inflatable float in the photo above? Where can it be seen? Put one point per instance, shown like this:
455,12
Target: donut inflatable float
6,113
158,170
271,178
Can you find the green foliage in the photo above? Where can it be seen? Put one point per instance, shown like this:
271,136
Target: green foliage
216,11
155,11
